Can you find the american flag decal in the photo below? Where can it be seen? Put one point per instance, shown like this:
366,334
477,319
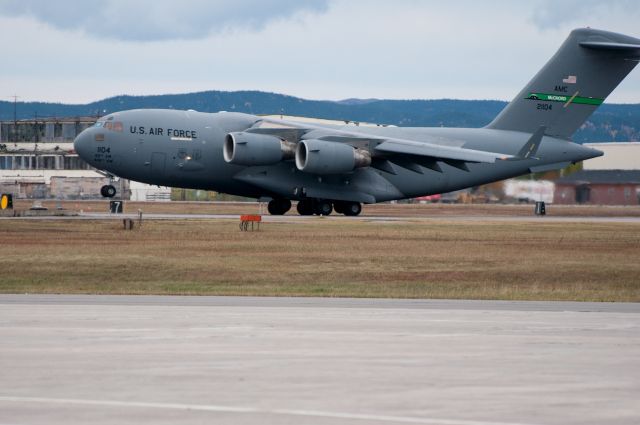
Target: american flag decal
571,79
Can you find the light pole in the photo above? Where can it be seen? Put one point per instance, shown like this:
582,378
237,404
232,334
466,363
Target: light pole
15,118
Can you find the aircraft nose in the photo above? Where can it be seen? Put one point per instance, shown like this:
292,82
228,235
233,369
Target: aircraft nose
82,144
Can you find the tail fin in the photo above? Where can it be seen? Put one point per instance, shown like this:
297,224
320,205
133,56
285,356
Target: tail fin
575,81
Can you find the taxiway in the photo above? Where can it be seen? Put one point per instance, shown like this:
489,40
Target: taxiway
234,360
293,218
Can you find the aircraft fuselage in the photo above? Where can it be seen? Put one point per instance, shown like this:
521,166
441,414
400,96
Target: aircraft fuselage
185,149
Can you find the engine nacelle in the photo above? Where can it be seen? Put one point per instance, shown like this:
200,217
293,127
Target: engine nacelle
256,149
322,157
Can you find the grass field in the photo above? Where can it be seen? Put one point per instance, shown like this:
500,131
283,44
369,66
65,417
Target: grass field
320,257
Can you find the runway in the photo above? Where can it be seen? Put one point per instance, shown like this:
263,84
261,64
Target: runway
234,360
364,218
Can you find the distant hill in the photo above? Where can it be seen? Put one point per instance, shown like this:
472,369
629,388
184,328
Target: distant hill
611,122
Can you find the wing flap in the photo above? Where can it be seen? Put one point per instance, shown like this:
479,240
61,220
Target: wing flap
408,147
286,133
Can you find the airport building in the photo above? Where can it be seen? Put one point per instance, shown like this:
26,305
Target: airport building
37,155
612,179
38,161
599,187
41,144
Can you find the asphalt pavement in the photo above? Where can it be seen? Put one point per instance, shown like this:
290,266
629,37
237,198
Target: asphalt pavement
235,360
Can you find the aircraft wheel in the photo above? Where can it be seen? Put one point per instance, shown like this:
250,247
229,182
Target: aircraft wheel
279,206
108,191
305,207
323,207
338,206
352,208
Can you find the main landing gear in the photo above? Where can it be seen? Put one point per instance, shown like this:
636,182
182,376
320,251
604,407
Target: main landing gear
347,208
279,206
315,206
108,191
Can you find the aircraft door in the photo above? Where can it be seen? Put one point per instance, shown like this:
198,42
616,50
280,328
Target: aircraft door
158,160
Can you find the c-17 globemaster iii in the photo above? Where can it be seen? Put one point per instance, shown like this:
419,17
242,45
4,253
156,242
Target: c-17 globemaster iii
337,168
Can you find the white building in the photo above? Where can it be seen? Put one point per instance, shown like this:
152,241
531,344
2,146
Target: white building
37,160
617,156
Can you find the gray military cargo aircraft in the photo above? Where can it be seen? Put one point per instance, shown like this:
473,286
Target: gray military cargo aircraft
337,168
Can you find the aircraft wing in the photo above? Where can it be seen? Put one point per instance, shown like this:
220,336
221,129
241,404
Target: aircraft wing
403,152
436,151
454,153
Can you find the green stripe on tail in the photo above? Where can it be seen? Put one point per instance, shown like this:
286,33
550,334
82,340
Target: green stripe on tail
564,99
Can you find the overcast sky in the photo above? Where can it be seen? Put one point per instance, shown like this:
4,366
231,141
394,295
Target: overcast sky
76,51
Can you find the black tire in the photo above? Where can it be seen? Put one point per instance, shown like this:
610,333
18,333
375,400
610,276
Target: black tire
108,191
273,207
279,206
352,209
323,207
305,207
285,205
338,207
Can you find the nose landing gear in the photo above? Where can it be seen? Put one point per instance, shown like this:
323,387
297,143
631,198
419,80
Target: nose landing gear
108,191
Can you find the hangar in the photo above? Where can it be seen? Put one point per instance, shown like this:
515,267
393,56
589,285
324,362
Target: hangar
612,179
600,187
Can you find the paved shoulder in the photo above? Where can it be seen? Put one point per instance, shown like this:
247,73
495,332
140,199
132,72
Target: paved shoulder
215,301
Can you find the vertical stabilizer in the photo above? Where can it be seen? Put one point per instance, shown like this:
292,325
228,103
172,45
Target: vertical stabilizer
577,79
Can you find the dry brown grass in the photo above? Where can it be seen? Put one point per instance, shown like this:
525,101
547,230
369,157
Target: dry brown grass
435,259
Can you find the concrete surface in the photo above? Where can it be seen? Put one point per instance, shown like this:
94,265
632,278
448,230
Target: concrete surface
230,360
293,218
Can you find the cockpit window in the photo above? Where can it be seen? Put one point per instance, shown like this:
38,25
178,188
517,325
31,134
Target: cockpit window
113,126
98,124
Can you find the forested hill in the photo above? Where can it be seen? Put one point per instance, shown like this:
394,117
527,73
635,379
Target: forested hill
611,122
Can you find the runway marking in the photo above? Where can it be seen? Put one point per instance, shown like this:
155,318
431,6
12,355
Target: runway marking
234,409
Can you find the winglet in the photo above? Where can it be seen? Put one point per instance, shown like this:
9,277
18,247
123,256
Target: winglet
531,147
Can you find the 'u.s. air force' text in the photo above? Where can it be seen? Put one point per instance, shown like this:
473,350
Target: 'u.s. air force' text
158,131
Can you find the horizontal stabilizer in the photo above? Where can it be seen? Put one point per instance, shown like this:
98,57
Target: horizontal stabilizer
609,45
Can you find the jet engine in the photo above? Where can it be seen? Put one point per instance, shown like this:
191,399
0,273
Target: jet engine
322,157
256,149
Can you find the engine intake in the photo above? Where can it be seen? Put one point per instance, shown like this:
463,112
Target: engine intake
256,149
322,157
